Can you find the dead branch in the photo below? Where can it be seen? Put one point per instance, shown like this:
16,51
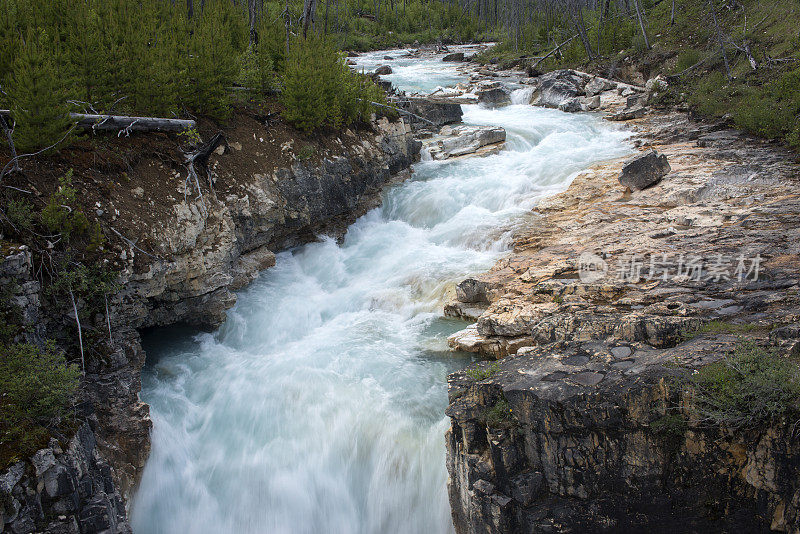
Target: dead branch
99,122
9,131
200,157
78,322
132,243
553,51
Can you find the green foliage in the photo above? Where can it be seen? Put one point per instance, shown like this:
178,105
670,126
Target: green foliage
37,386
37,95
305,152
686,59
21,214
500,415
214,50
670,426
256,70
320,89
750,387
61,218
482,373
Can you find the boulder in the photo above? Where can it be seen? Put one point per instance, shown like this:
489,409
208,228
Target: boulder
383,69
388,58
437,111
557,88
644,170
595,86
571,105
592,103
495,96
657,84
553,93
455,57
456,141
628,114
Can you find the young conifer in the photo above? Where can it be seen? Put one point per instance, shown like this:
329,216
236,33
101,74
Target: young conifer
37,94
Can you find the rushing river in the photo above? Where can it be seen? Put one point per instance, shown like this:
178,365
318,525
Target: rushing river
319,406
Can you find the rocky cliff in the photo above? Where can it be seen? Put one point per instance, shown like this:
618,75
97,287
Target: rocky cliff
610,297
182,253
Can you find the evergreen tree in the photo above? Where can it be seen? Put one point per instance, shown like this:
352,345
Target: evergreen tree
214,60
36,93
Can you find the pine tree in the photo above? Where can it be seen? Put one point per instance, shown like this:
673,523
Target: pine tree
217,35
36,93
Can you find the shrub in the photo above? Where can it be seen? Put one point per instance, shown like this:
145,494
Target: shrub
686,59
21,214
499,415
36,386
320,89
59,217
752,386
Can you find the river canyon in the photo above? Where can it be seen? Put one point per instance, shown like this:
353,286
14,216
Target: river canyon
319,404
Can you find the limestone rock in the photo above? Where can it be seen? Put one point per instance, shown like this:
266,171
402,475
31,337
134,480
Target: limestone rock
644,170
454,57
496,96
439,111
459,141
383,70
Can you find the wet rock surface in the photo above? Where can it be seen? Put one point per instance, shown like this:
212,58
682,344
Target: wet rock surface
63,489
458,141
185,268
591,316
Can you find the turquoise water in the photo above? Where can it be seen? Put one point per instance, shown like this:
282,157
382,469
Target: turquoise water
319,406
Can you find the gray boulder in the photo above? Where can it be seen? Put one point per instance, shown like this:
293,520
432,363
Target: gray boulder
644,170
383,69
494,96
557,88
571,105
595,86
454,57
437,111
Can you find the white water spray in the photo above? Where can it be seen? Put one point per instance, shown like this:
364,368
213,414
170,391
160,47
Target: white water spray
319,406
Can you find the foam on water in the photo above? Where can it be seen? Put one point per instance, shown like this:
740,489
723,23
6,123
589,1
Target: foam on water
319,406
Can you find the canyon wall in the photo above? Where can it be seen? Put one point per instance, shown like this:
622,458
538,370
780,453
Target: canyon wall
586,423
181,257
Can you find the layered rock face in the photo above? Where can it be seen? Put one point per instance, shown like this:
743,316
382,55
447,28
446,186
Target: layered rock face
184,256
68,489
582,425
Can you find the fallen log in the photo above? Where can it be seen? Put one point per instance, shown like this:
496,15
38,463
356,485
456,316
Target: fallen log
116,123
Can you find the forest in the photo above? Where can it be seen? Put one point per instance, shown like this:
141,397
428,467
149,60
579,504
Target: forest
69,64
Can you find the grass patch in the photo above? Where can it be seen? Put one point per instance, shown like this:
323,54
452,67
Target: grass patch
482,373
750,387
724,327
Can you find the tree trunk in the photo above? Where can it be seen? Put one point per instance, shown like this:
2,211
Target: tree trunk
107,123
641,23
308,15
252,14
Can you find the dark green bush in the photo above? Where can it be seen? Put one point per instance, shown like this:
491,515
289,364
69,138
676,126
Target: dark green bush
36,92
750,387
320,89
61,218
36,387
